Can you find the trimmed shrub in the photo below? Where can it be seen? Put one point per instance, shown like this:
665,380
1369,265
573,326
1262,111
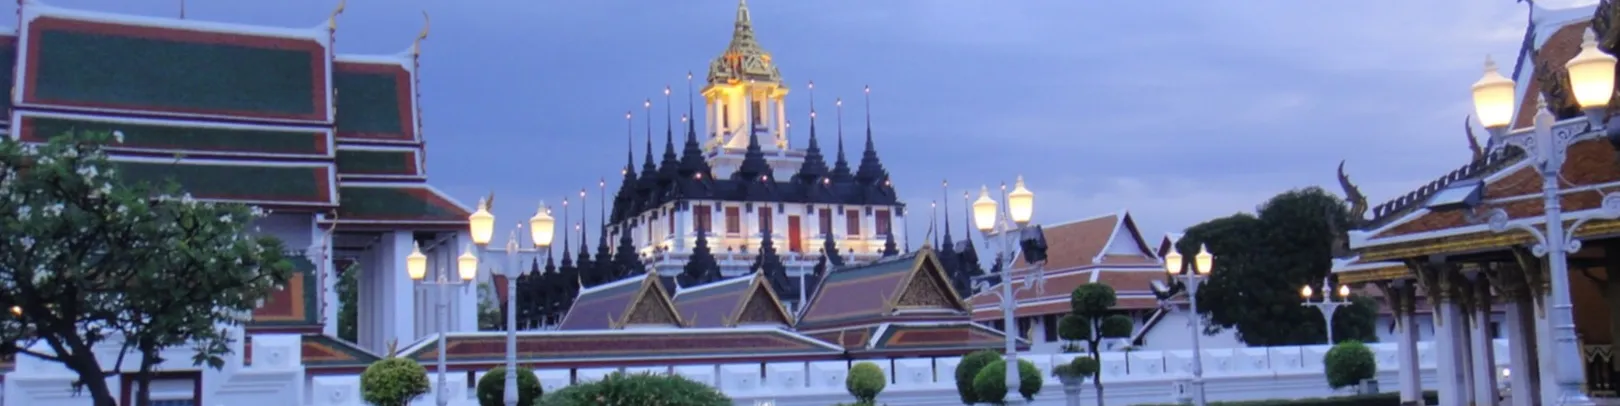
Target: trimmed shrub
492,387
865,381
637,389
1348,363
393,382
1381,399
1080,367
968,369
991,383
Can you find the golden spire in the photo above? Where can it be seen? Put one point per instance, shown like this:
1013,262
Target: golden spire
743,59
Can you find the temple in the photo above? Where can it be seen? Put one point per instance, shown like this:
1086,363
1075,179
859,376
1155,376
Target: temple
738,197
1434,248
331,144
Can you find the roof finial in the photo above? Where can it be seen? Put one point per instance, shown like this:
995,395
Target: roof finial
331,21
629,142
667,116
743,18
868,91
812,87
182,9
416,46
689,112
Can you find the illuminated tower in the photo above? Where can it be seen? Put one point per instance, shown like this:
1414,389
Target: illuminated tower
745,96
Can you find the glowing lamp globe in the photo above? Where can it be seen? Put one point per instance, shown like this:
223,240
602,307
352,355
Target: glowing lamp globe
1344,290
542,227
1493,98
1172,262
1305,291
467,265
1204,261
1021,203
481,224
984,211
1591,74
416,263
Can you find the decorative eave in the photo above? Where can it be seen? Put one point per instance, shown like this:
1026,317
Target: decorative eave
456,219
324,173
320,142
32,9
655,344
1353,270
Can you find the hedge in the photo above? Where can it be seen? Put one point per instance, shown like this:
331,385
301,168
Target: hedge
1381,399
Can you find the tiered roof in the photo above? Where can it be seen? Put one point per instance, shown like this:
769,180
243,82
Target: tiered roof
747,300
1106,249
638,301
898,305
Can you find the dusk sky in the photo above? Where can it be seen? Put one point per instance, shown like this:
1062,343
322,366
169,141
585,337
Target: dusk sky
1178,111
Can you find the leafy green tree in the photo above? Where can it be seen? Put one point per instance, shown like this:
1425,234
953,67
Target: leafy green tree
489,309
348,291
1072,328
1356,322
968,369
991,383
1262,261
90,260
1094,304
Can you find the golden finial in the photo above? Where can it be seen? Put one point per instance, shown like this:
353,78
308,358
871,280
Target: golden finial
416,46
393,347
331,21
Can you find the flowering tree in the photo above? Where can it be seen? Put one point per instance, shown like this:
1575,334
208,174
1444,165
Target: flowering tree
91,261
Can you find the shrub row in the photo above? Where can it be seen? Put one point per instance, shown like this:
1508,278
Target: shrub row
1381,399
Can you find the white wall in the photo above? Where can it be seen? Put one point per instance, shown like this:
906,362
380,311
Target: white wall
1174,332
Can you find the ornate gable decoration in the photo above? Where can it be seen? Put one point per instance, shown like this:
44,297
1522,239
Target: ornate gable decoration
760,304
926,287
649,306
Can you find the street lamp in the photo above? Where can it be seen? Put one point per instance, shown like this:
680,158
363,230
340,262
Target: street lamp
1591,78
990,221
542,228
466,269
1327,305
1191,279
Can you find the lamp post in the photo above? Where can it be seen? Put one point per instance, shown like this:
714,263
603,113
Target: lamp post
1591,79
1328,304
542,228
466,269
1191,279
990,221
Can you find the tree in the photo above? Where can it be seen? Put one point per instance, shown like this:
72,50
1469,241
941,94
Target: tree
1073,328
348,291
1094,304
1356,322
489,309
1262,261
90,259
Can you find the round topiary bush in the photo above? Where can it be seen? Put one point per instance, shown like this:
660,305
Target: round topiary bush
1348,363
393,382
637,389
865,381
991,383
1078,370
968,369
492,387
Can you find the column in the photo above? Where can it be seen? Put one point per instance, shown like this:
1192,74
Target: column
781,120
1448,368
323,256
1484,361
396,288
683,218
1521,346
365,300
1464,338
1545,371
464,300
1406,332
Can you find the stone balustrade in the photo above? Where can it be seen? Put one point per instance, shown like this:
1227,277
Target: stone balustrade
1139,376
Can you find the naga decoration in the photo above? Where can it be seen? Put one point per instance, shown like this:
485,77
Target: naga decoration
1352,194
1608,37
1554,83
1473,141
331,20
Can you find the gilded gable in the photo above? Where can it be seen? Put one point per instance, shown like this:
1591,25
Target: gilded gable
761,308
649,309
926,290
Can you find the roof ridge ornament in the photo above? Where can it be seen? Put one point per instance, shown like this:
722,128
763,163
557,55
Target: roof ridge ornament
427,24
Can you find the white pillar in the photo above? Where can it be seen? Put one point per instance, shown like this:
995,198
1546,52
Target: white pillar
1448,368
1411,385
781,120
1521,337
683,219
327,271
397,285
1484,362
365,330
464,300
1464,339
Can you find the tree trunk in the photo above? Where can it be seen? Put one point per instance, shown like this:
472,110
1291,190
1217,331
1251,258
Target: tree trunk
83,362
1096,381
143,379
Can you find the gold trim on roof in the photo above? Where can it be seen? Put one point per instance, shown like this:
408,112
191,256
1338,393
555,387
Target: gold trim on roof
1479,241
656,287
744,59
925,255
748,296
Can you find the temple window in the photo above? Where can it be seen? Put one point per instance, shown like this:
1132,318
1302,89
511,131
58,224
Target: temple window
825,218
882,222
852,221
759,112
765,223
733,220
702,218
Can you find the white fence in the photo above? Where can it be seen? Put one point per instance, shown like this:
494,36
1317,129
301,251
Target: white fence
1129,378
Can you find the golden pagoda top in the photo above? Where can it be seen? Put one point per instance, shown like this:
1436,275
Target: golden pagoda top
744,59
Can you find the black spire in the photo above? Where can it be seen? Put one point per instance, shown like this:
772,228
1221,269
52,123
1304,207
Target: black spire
606,270
701,267
625,255
829,250
948,258
692,161
668,166
889,249
970,254
586,270
840,171
753,164
648,169
815,166
567,260
623,200
871,170
771,264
